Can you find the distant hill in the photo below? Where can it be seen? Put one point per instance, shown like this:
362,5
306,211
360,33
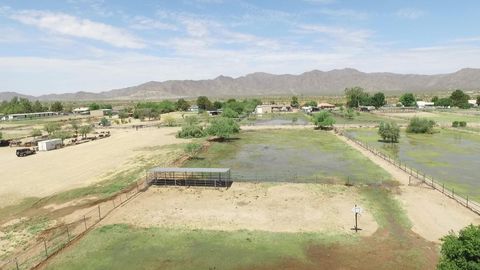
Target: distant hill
263,84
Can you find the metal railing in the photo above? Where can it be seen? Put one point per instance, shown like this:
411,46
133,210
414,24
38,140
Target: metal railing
462,199
55,239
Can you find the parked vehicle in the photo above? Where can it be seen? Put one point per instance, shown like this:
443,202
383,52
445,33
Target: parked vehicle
4,143
23,152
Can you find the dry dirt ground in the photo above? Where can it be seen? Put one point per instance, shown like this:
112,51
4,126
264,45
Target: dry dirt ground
251,206
432,214
46,173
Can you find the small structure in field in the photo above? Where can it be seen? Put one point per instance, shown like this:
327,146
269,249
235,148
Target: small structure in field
205,177
81,111
425,104
48,145
323,106
26,116
269,108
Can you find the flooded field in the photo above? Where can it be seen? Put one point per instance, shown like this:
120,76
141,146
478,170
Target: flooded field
449,156
278,119
291,156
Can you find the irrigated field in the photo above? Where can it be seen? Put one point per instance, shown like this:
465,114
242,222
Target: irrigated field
449,156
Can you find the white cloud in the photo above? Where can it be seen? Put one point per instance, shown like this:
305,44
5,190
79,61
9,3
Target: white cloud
339,33
142,23
410,13
345,13
64,24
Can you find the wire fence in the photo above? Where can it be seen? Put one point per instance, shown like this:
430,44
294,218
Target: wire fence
416,175
55,239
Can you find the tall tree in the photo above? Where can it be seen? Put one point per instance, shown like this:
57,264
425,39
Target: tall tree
356,96
182,105
323,120
294,102
57,106
460,99
461,251
408,100
204,103
378,100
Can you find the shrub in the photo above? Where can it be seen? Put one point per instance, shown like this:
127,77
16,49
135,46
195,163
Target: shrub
420,125
193,149
229,113
223,127
462,124
191,131
455,124
170,121
389,131
323,119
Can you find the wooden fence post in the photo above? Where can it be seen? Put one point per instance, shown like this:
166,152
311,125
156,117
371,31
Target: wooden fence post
99,215
16,263
85,222
45,246
467,201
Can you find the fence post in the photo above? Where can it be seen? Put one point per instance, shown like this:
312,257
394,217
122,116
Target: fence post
85,222
68,233
453,193
16,263
432,183
45,246
443,188
113,201
137,187
99,215
467,201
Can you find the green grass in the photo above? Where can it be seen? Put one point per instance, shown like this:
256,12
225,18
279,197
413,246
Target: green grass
283,155
123,247
363,118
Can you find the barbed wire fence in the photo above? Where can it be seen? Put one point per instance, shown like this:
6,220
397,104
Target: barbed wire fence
55,239
416,175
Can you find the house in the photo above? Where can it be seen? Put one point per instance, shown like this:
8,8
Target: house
323,106
81,111
268,108
424,104
473,102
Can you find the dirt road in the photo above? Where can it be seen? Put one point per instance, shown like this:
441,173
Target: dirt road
282,207
49,172
432,214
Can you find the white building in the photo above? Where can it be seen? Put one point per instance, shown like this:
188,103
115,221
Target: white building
81,111
424,104
473,102
49,144
26,116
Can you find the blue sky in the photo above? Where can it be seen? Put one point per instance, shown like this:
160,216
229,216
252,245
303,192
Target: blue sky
50,46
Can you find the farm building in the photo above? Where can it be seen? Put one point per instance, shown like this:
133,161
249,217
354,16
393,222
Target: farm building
206,177
49,144
81,111
325,106
24,116
261,109
424,104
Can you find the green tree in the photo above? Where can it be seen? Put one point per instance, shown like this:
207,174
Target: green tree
356,96
434,99
75,127
461,251
444,102
323,120
478,100
229,113
420,125
460,99
349,113
193,149
390,132
57,106
85,129
217,105
51,127
36,133
408,100
38,107
204,103
93,106
294,103
62,134
378,100
310,103
223,127
182,105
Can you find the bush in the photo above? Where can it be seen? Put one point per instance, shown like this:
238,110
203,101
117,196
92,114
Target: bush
420,125
191,131
323,120
193,149
455,124
169,121
462,123
389,131
462,251
223,127
229,113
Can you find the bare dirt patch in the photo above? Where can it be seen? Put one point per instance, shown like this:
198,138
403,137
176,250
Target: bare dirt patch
432,214
46,173
250,206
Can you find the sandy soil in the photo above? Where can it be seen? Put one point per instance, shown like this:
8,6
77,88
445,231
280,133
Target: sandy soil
252,206
49,172
432,214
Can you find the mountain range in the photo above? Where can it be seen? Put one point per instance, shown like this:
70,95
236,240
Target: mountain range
264,84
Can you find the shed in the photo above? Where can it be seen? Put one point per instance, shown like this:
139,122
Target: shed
207,177
48,145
